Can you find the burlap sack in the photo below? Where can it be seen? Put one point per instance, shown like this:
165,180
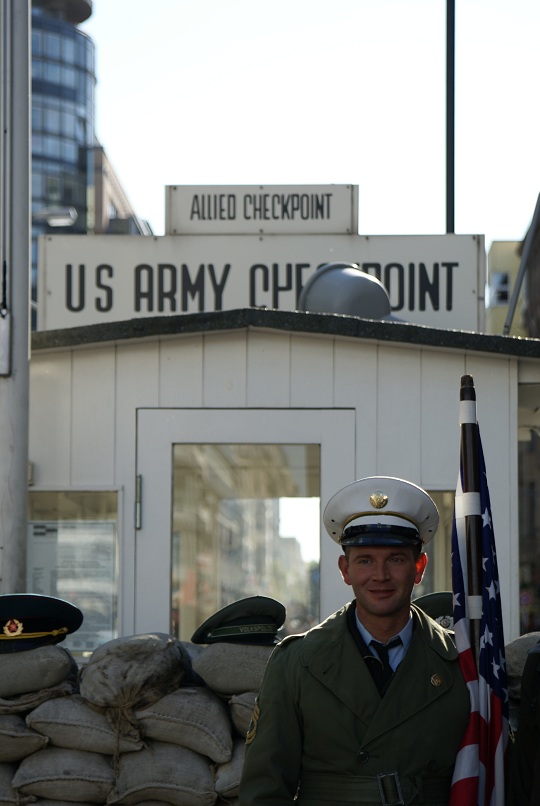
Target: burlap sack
232,668
192,717
27,702
228,775
131,673
16,739
8,796
71,722
136,671
164,772
73,775
33,670
241,709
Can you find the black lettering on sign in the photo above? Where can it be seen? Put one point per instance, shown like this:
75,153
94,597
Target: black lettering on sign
449,283
192,288
298,279
277,287
285,207
412,286
428,287
213,207
102,272
422,286
262,270
395,285
167,287
218,285
75,306
144,287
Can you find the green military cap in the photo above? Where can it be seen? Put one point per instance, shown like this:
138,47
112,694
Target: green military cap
439,606
30,620
381,511
253,620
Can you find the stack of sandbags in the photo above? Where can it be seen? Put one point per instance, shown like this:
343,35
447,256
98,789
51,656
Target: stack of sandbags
233,672
28,679
149,720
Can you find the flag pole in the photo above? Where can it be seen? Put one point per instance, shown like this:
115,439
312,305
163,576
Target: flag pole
473,518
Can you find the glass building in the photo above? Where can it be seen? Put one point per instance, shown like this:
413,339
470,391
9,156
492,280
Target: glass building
71,193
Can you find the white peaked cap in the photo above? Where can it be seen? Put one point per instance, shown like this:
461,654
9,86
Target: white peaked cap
381,510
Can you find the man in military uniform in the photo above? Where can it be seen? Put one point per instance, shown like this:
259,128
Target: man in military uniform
370,706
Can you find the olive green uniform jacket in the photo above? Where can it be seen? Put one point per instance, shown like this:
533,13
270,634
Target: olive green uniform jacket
322,733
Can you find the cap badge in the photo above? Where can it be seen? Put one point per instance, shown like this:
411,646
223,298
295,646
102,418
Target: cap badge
13,627
378,500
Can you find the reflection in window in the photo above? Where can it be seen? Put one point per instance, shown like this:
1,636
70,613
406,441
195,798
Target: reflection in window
246,522
72,554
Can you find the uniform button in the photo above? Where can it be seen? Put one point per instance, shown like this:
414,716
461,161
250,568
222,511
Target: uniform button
362,757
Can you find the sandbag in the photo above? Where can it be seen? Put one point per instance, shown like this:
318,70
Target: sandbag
8,795
241,708
17,740
74,724
136,671
56,772
27,702
191,717
233,668
228,775
34,670
164,772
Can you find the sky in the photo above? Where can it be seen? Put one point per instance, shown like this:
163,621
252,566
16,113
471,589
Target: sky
299,92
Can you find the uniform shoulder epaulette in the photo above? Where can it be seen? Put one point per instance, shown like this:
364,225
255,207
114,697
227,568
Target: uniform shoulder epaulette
289,639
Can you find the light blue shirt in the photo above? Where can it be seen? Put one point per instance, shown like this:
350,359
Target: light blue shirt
396,653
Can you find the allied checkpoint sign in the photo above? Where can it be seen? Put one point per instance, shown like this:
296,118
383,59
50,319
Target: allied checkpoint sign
433,280
261,209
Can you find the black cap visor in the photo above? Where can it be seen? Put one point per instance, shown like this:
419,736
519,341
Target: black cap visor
375,534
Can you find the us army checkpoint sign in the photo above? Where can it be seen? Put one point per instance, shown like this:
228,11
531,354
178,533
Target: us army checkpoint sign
434,280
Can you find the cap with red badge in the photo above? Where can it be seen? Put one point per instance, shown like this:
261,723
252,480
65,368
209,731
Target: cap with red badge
30,620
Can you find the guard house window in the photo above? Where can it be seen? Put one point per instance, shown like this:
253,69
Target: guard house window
72,554
245,522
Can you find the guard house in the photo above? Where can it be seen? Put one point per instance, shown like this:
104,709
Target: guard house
180,462
182,451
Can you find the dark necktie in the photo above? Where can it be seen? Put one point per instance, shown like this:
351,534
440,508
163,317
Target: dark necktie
382,651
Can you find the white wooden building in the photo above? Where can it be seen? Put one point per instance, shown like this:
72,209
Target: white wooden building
151,439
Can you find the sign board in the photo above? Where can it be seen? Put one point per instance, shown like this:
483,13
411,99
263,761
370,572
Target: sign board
434,280
256,209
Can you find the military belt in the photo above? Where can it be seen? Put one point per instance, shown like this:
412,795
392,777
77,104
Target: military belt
387,789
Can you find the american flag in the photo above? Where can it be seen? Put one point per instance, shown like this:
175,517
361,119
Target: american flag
479,774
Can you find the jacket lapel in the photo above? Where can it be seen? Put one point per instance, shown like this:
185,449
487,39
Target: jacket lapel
335,661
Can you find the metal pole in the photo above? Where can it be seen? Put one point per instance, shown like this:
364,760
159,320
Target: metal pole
470,465
450,112
14,297
522,269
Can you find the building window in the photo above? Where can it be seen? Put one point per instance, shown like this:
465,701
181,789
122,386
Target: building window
72,554
499,288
